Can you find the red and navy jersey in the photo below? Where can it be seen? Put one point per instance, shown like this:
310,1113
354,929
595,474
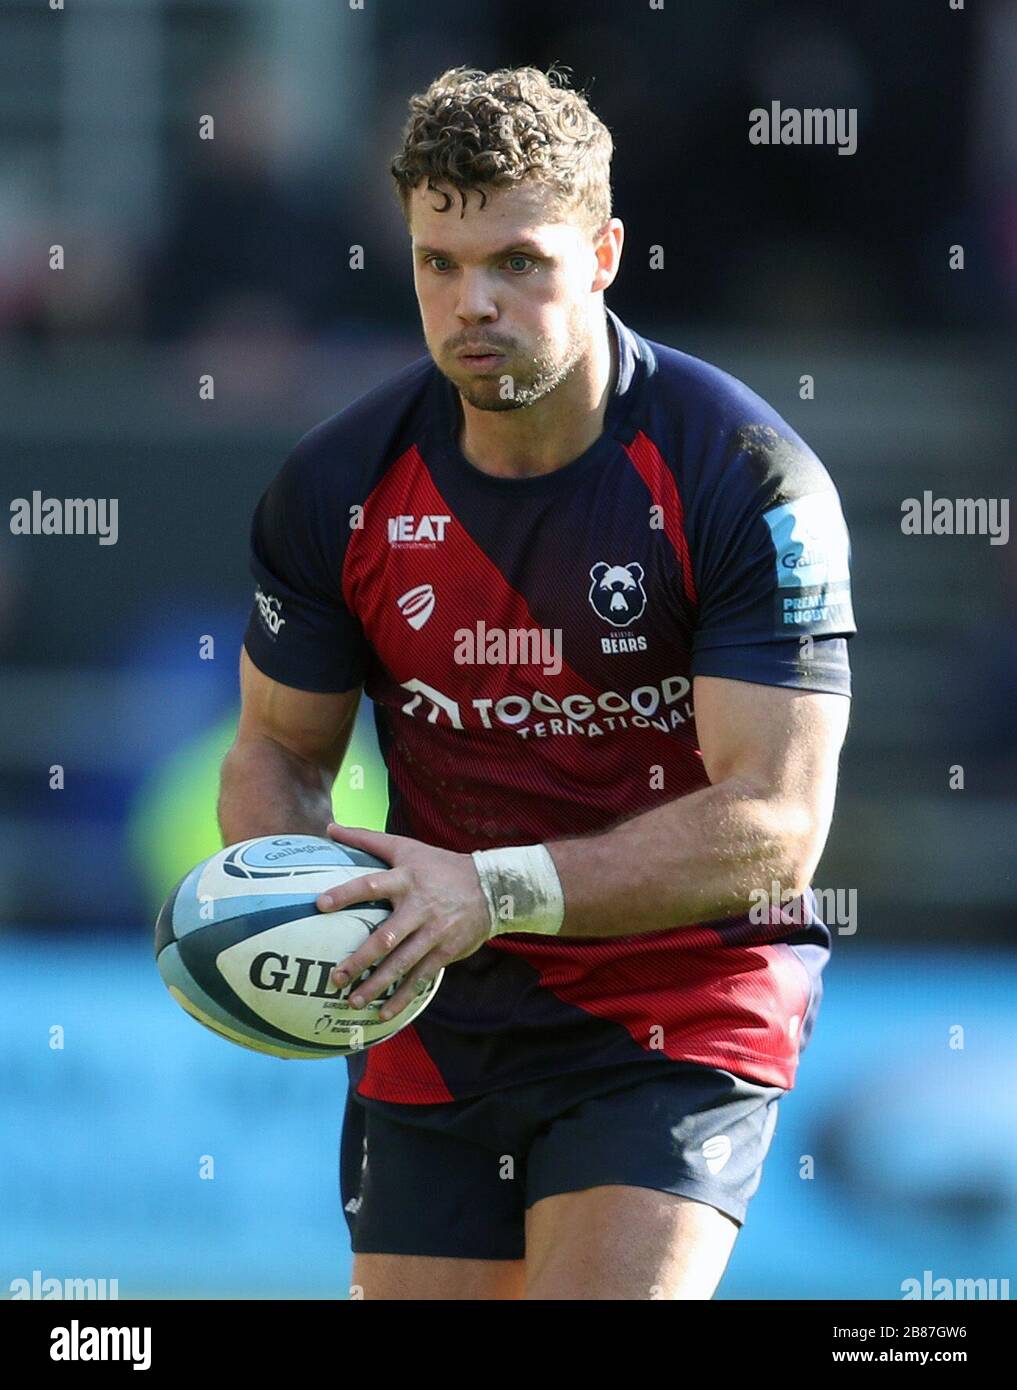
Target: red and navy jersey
529,645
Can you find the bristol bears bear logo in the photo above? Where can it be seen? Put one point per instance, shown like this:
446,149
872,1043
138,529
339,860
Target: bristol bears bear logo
617,593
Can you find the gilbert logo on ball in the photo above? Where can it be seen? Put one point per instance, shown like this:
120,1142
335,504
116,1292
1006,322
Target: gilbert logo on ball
241,946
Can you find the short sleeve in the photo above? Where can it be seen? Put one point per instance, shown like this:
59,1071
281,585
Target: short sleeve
300,631
773,564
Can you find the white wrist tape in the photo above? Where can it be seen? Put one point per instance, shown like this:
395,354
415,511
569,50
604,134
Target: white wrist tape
522,889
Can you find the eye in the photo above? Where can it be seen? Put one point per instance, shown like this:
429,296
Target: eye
432,262
529,261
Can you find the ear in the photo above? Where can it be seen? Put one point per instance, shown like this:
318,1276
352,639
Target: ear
636,570
598,571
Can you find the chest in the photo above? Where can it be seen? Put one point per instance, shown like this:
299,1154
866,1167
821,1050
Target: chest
497,596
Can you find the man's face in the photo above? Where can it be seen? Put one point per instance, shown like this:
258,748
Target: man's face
507,278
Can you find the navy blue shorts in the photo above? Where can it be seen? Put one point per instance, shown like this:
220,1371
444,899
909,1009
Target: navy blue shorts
455,1179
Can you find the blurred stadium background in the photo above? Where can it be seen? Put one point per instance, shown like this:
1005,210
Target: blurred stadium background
230,257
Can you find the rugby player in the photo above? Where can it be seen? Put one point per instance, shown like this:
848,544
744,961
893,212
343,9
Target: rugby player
597,591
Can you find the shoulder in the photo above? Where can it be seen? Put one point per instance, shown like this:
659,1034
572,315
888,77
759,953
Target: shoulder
720,436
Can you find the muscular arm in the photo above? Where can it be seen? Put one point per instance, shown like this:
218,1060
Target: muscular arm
771,755
277,777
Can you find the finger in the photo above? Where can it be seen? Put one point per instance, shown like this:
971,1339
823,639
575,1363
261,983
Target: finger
377,842
381,942
395,965
370,886
416,983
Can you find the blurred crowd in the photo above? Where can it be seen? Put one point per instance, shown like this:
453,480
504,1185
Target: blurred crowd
254,233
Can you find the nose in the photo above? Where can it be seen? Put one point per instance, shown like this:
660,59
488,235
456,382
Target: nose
475,304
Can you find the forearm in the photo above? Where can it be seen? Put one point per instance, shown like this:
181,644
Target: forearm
267,790
697,858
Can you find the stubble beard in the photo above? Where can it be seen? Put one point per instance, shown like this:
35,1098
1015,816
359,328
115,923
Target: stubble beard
544,373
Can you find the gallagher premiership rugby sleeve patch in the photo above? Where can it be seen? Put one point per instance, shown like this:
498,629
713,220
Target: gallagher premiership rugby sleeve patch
813,565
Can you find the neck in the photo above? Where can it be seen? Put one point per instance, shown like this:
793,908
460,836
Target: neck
555,430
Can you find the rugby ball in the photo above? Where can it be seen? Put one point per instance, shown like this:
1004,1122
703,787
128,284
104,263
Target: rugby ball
242,947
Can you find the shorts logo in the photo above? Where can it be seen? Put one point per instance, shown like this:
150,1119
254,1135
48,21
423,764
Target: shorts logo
716,1151
616,593
416,605
355,1203
271,611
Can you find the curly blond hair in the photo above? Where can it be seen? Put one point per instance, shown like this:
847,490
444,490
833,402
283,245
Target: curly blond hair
472,129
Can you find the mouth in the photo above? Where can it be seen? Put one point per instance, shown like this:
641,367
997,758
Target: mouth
480,360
